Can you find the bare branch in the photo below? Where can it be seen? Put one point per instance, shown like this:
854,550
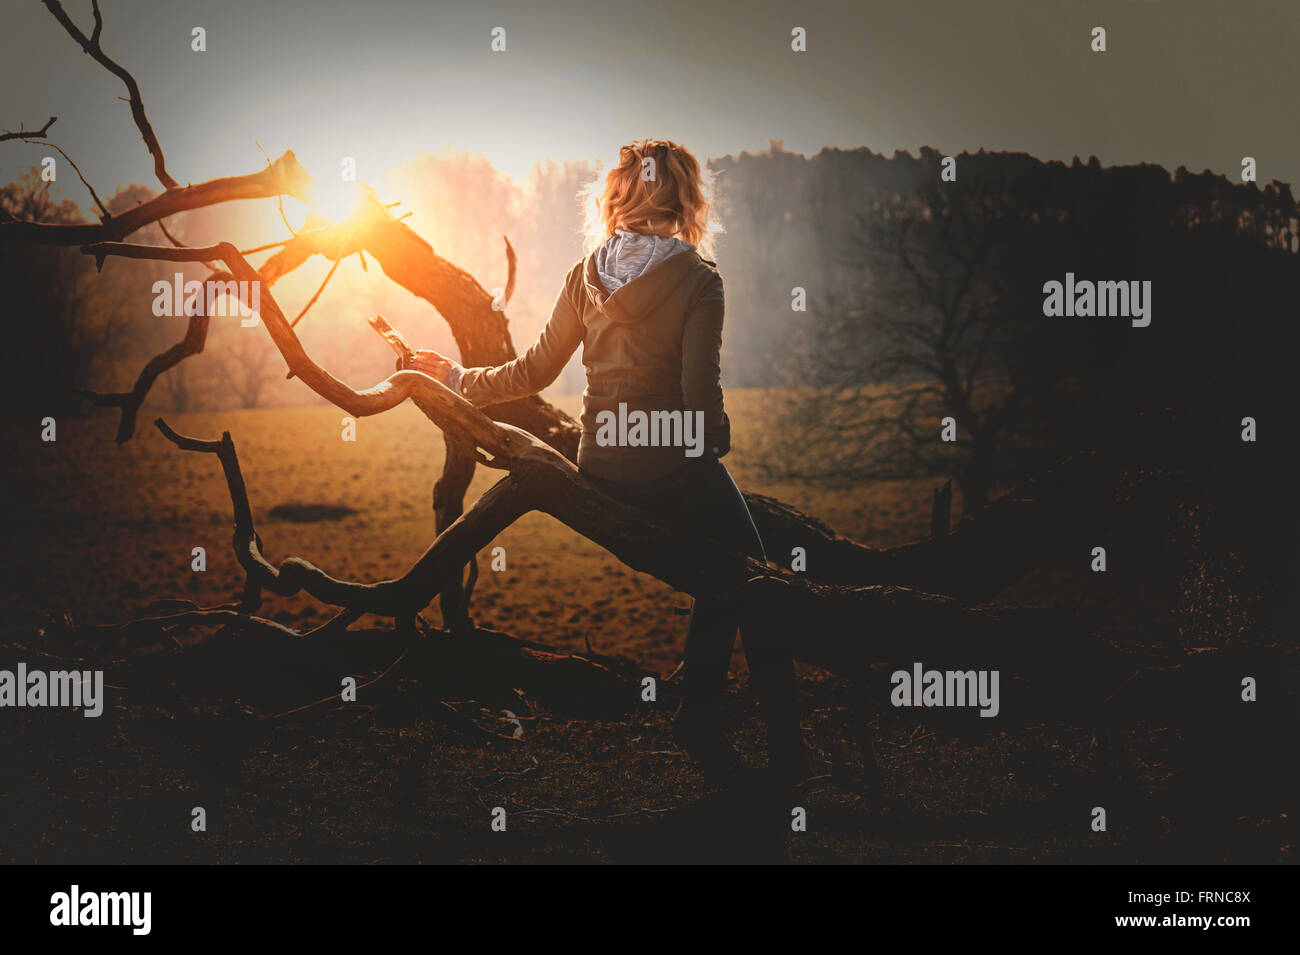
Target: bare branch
405,595
280,198
449,411
312,301
512,267
29,134
103,210
286,175
129,402
92,48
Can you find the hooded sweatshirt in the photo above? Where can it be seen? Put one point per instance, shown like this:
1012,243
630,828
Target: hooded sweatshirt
651,347
627,255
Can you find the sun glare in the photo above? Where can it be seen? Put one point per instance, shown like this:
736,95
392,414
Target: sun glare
336,199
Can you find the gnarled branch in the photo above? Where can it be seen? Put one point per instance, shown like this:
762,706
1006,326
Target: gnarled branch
284,176
92,48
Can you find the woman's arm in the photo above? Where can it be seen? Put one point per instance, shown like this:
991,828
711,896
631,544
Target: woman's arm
526,375
702,366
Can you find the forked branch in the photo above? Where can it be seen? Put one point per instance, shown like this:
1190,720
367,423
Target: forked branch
90,44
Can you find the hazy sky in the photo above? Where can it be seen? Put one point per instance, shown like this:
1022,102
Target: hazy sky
1199,84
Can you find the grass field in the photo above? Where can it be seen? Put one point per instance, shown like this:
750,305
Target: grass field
98,532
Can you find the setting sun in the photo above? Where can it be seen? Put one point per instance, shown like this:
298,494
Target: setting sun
336,199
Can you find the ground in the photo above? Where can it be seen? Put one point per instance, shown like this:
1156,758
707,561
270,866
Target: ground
97,532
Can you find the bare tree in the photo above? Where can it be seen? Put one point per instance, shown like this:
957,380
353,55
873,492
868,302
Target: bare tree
246,365
935,329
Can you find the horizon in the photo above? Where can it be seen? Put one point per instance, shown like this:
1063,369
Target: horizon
81,198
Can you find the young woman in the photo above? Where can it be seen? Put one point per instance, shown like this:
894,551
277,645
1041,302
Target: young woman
647,309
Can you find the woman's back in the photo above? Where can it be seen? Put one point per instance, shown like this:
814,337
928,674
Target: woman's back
651,349
653,399
647,310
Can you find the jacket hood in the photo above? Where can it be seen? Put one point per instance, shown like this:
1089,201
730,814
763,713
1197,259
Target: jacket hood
642,294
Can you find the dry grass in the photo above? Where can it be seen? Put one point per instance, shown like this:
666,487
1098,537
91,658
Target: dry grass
99,531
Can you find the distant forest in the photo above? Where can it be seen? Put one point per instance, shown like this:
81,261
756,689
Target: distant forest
921,298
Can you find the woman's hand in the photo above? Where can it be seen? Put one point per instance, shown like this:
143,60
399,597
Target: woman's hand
432,363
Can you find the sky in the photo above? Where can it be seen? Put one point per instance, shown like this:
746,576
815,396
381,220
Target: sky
1189,83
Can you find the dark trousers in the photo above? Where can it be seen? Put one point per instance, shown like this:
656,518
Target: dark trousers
702,496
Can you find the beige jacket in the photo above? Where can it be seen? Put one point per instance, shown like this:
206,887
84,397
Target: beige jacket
652,347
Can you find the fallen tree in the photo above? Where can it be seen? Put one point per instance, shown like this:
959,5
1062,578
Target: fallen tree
854,606
841,626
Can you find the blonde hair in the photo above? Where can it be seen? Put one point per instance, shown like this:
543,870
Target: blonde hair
675,199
